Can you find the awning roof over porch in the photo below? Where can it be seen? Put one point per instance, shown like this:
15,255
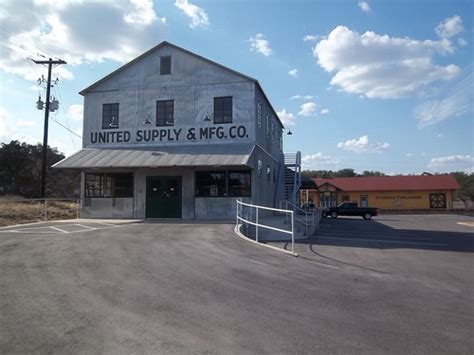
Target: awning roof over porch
172,156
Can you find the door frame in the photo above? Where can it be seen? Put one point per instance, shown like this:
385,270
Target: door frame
162,177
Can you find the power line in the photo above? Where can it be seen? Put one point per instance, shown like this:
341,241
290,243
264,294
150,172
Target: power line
67,129
58,93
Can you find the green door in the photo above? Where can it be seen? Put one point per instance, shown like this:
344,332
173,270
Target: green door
163,197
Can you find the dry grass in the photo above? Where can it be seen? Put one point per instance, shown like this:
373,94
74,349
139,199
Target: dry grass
17,211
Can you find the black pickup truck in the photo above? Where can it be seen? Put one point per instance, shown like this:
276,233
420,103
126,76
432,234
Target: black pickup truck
350,209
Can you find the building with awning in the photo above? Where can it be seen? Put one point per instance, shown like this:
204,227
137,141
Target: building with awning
172,134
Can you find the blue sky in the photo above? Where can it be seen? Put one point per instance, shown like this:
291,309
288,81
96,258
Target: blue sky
372,85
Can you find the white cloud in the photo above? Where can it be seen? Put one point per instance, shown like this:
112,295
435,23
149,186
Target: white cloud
9,128
380,66
364,6
12,128
324,111
198,15
58,29
302,97
142,13
310,38
307,109
293,73
449,27
25,123
462,42
315,161
259,44
287,118
362,145
457,102
413,155
76,112
452,163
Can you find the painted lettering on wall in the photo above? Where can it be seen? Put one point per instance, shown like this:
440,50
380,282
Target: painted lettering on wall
398,197
170,135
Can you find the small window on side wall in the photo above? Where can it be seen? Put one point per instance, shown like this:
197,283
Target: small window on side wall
223,109
110,116
165,65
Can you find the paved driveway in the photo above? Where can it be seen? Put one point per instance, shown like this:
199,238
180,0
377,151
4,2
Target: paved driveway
181,288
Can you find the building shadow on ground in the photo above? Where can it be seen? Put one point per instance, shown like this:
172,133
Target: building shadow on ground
349,232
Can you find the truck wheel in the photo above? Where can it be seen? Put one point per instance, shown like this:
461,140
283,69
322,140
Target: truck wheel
333,214
367,215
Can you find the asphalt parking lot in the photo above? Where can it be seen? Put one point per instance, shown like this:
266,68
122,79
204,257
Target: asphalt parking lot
397,284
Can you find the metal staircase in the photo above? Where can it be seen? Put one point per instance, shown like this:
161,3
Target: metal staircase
292,177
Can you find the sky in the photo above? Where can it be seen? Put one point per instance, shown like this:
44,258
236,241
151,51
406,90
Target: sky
370,85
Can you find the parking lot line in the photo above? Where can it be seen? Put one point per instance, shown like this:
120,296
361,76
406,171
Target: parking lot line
59,229
469,224
84,226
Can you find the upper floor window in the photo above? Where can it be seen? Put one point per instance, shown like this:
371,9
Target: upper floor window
223,109
165,113
110,116
165,65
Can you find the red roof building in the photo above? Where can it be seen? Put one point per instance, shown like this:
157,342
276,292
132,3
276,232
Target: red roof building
414,192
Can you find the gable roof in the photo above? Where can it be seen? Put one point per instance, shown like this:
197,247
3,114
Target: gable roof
166,43
393,183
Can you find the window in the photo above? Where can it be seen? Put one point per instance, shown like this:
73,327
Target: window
269,173
345,198
109,185
165,113
437,201
223,183
210,184
165,65
110,116
223,109
267,125
259,167
122,185
239,183
259,114
273,130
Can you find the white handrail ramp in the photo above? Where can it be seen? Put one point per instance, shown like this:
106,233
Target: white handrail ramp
246,218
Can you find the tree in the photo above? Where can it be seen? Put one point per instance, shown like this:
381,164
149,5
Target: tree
328,174
20,167
466,192
372,173
345,173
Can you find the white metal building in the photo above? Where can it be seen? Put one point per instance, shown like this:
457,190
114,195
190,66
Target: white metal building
174,135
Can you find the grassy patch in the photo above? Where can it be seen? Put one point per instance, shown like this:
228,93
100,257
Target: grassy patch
15,211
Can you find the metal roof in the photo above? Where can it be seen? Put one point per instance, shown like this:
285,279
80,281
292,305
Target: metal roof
172,156
166,43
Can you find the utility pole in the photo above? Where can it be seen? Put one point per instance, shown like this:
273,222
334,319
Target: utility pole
50,63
